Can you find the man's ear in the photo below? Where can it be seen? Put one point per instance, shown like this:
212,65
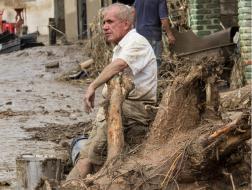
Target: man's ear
127,25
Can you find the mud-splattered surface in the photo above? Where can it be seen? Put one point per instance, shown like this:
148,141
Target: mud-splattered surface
31,99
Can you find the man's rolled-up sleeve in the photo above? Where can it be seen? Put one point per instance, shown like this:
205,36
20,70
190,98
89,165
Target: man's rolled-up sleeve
134,55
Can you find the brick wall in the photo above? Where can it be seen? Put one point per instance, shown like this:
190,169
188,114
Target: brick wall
204,16
245,23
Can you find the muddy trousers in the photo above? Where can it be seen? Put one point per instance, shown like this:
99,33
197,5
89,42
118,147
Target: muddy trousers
135,123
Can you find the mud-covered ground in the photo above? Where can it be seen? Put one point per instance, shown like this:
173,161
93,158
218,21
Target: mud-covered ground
38,112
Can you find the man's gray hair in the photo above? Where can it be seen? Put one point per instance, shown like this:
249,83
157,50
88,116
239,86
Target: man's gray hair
125,11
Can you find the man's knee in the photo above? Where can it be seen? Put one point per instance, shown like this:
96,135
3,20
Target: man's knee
98,152
80,170
83,163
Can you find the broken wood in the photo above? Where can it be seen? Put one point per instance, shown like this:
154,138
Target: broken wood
86,64
205,153
232,135
223,130
241,121
118,88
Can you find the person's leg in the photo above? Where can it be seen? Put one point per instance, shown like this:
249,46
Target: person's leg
82,168
93,152
136,120
157,48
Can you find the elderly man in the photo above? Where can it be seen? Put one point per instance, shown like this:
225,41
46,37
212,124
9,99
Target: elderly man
132,54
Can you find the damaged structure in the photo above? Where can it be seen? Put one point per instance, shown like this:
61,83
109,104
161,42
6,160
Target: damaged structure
207,17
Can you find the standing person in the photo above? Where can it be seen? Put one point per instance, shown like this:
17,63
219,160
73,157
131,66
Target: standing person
151,18
134,55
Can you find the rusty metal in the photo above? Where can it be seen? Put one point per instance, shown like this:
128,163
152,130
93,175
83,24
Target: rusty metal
187,43
206,49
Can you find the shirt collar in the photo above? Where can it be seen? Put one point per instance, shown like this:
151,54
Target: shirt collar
124,40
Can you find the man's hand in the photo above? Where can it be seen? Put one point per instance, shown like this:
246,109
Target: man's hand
89,98
118,65
171,38
166,28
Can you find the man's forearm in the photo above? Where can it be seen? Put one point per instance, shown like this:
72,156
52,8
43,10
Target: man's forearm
104,76
166,26
108,72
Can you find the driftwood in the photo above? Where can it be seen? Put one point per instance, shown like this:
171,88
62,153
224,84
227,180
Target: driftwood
118,88
232,134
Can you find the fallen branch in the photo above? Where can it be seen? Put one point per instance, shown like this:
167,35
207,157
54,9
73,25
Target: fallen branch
242,121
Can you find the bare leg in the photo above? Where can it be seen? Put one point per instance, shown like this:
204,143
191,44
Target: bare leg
81,169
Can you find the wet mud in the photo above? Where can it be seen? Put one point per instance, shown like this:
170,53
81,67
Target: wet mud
37,111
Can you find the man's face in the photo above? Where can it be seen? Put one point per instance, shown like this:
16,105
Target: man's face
114,28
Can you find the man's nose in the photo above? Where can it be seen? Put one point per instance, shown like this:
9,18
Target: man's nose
105,26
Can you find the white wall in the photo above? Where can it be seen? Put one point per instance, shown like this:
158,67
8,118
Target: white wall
37,14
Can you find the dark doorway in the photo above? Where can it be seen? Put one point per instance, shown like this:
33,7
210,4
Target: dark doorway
82,18
127,2
229,13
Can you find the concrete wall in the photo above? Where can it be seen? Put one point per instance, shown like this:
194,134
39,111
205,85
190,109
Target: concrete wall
37,14
71,19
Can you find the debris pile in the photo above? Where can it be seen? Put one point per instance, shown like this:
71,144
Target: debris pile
189,146
178,11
